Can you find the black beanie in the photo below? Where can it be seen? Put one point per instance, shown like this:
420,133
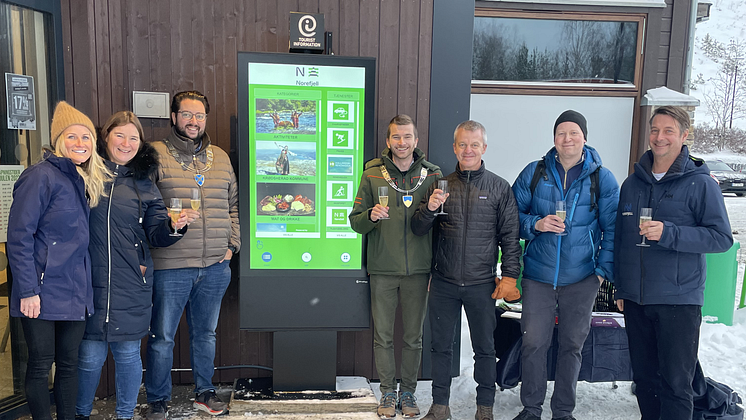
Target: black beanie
572,116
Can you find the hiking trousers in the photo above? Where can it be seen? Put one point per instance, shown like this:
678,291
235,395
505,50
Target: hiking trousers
572,305
386,293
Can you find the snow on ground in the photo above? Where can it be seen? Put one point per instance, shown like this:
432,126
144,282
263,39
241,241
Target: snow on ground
722,353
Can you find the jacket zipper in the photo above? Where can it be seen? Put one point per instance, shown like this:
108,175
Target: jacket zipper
466,224
108,242
406,228
204,219
642,262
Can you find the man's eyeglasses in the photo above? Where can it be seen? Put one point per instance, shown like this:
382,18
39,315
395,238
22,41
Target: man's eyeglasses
188,115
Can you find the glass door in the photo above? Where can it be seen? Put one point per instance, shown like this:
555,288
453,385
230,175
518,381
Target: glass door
29,70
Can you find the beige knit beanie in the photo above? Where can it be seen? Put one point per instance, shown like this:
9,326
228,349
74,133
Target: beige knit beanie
65,116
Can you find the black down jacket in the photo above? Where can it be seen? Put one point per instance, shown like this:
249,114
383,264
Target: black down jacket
122,296
482,219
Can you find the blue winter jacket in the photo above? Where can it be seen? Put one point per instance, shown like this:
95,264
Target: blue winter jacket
588,246
48,241
689,203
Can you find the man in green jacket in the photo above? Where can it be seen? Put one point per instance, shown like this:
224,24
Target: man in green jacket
398,260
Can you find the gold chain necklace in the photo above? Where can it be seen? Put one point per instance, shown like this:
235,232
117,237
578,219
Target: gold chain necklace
199,178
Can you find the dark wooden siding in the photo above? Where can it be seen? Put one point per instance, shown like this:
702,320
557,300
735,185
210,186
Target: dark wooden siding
114,47
674,44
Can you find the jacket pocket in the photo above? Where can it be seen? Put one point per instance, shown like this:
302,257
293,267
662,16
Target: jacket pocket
593,247
139,256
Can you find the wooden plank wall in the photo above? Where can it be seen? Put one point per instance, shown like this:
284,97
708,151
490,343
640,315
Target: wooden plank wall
114,47
674,44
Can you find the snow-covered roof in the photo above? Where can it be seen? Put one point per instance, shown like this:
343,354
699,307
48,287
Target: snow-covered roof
618,3
665,96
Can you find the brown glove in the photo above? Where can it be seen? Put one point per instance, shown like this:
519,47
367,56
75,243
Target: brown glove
506,290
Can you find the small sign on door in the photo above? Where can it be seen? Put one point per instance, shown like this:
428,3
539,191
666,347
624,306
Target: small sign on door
21,101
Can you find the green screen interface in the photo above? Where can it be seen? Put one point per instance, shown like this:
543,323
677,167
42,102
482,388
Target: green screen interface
306,144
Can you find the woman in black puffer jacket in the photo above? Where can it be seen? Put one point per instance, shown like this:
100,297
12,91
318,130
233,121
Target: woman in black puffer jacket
130,217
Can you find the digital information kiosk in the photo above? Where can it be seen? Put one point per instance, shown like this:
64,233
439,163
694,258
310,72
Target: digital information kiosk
305,129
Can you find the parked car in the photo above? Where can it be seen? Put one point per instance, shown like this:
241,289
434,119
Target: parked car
730,181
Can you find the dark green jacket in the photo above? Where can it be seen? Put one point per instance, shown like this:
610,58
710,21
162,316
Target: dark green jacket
392,247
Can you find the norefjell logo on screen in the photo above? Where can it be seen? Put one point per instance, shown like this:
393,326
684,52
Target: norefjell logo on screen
304,74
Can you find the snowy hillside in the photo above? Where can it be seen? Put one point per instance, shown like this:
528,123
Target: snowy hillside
727,21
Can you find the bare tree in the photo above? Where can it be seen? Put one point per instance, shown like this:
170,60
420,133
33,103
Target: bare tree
709,139
725,93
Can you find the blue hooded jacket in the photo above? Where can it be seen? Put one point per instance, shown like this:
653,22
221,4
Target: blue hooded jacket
48,241
588,246
689,203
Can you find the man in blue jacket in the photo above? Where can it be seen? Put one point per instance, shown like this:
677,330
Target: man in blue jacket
565,261
660,287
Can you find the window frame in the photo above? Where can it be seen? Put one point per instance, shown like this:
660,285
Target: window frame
571,89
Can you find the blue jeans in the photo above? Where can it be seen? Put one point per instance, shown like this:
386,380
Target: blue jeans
128,374
200,291
445,304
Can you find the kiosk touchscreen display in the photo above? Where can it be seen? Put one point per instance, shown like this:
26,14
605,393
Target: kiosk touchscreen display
306,137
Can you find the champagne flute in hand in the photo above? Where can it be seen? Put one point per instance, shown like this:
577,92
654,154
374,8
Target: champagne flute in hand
174,211
443,186
383,198
646,215
560,210
195,199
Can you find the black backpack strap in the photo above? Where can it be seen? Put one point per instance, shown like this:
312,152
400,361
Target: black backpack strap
539,172
595,190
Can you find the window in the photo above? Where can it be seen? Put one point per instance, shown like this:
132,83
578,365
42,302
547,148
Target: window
554,49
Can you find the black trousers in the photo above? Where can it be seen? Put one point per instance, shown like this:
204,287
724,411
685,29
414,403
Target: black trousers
58,342
663,345
445,304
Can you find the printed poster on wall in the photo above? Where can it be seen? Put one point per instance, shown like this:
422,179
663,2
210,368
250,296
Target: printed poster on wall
8,176
21,102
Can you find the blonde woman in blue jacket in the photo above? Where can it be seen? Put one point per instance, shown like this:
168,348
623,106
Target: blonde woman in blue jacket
48,255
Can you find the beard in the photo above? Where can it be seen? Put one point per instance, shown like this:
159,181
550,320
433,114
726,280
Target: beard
180,131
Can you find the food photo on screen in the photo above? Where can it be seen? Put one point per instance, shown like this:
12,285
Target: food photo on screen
284,158
286,116
285,199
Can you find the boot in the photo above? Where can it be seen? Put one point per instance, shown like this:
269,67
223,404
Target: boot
438,412
484,412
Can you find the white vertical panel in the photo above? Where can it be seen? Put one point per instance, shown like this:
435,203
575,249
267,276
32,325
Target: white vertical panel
520,129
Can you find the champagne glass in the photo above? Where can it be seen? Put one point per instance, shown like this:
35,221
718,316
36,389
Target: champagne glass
383,198
175,211
646,215
195,199
443,186
560,209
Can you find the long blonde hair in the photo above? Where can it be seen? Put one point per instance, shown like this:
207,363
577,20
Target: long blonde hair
94,172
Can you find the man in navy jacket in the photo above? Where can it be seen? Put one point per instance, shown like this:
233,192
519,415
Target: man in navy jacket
660,287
